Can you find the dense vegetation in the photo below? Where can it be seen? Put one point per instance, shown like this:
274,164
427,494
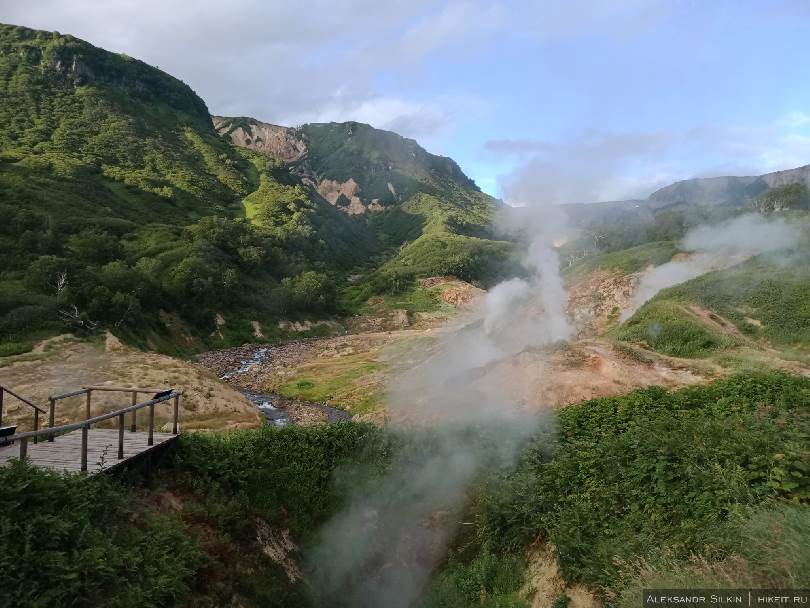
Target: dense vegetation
189,539
652,476
625,488
765,298
121,207
120,204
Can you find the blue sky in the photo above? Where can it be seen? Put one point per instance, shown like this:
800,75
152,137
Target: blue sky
563,101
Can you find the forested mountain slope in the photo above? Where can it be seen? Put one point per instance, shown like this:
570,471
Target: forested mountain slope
429,217
122,206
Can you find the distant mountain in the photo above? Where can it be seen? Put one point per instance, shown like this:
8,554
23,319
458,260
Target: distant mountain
730,190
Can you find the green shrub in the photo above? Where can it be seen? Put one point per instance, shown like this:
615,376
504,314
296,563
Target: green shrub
283,473
15,348
72,540
630,474
765,548
488,579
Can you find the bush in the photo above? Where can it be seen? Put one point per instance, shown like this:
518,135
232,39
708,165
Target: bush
653,468
8,349
285,474
79,541
765,548
28,319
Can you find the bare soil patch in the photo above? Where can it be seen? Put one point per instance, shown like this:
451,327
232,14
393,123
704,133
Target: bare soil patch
67,364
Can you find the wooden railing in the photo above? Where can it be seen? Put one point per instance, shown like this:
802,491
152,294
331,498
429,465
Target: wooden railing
52,431
37,410
88,392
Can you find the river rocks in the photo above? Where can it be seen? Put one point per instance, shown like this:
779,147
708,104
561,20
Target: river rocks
250,367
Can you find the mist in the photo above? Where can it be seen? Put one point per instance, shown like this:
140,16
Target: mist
715,247
383,547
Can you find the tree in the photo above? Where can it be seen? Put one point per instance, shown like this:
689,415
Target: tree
48,274
311,291
94,246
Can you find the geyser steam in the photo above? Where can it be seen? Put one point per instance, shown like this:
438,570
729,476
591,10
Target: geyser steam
715,247
381,549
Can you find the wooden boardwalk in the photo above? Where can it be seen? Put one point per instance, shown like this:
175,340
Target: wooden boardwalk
64,453
81,446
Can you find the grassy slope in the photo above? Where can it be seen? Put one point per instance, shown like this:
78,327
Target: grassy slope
111,173
656,476
617,481
765,300
632,259
434,235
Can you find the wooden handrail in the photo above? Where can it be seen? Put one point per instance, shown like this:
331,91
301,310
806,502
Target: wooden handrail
23,399
88,391
90,421
66,395
123,389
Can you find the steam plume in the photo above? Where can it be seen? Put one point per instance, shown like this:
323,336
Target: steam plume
716,247
381,550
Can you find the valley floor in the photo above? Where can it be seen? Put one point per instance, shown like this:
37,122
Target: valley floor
351,372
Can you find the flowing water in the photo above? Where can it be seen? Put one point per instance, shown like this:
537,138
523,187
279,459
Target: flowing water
270,404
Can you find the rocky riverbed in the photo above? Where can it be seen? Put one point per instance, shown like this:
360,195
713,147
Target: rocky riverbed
247,369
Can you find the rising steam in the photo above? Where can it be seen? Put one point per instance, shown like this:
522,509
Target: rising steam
381,550
716,247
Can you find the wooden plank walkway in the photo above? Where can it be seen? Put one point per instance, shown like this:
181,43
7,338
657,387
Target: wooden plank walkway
64,453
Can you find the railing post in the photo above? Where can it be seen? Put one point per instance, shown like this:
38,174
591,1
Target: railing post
151,424
87,404
121,424
36,424
85,430
51,416
176,414
23,448
1,405
134,426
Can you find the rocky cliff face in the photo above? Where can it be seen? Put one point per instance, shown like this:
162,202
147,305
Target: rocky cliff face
353,166
279,142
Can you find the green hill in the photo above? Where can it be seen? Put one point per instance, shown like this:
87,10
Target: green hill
123,207
762,300
427,217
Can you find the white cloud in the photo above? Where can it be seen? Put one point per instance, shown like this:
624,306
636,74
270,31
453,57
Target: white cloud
598,166
290,62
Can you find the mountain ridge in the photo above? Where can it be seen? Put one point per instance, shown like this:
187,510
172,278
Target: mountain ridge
727,189
353,165
123,206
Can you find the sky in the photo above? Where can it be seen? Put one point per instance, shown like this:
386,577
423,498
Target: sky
585,100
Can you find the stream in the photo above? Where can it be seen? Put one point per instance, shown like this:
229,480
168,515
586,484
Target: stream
273,406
